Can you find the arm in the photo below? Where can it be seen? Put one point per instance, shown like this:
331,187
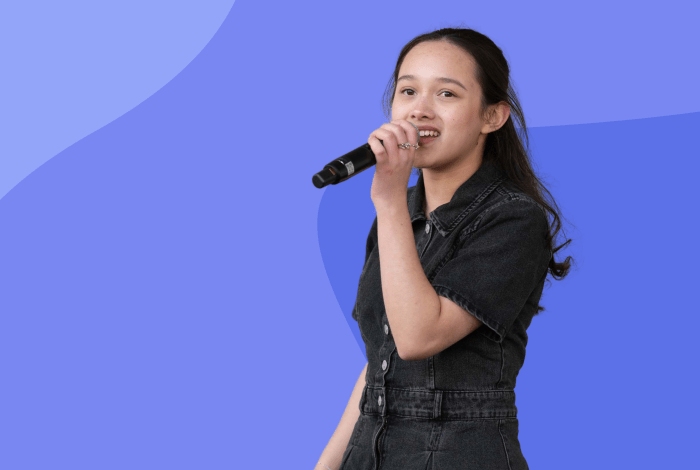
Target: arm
412,305
422,322
333,453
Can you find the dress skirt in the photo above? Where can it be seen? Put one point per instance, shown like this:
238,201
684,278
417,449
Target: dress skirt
401,443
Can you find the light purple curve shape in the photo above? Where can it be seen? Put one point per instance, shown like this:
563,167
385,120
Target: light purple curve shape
76,66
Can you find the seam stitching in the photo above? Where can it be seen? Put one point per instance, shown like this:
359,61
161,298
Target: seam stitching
503,440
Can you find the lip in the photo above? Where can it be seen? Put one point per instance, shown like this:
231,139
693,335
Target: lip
427,140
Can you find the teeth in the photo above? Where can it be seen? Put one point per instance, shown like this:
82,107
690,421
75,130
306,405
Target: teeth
429,133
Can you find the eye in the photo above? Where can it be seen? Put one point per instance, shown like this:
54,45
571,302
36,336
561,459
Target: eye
403,92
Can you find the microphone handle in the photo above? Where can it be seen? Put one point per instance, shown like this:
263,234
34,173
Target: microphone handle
342,168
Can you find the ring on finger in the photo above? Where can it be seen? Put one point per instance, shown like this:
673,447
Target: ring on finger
406,145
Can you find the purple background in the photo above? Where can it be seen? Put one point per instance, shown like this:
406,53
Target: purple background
175,293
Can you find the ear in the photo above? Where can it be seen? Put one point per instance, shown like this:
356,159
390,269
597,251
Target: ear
497,116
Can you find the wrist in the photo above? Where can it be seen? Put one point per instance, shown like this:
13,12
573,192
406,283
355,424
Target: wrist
391,208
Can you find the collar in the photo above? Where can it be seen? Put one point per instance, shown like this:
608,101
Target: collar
468,196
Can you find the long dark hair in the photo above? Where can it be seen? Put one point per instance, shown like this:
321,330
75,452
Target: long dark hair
508,147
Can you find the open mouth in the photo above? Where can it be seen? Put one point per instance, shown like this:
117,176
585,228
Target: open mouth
428,136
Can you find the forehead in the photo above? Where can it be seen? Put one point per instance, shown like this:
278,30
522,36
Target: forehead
431,59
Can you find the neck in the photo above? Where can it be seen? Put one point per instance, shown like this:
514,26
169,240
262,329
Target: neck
440,186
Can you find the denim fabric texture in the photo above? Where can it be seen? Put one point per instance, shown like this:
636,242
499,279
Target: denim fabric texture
486,251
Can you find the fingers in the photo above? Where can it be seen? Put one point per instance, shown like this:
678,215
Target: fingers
392,134
404,130
378,149
389,151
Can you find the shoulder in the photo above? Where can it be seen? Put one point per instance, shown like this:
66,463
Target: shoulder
512,208
509,192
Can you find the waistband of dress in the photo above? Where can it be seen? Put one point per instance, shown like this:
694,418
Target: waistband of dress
438,404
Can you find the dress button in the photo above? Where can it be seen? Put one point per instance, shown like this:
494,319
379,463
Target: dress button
380,400
386,329
427,227
384,365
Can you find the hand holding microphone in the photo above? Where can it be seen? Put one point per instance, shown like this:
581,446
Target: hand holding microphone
398,132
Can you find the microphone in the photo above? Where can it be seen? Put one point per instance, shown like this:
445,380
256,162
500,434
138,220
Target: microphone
343,168
352,163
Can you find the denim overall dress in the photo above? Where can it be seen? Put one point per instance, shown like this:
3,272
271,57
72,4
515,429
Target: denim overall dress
486,251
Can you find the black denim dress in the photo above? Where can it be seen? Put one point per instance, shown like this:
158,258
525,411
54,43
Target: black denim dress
486,251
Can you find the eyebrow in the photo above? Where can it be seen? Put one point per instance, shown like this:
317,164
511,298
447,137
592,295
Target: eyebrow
439,79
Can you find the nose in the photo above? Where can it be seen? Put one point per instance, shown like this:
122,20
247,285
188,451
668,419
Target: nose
423,108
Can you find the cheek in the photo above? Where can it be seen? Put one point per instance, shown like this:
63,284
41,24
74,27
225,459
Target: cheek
399,110
464,128
462,135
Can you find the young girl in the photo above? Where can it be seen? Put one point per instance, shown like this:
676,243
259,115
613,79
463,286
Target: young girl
454,268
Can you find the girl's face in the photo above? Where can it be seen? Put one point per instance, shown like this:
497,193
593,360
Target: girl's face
436,88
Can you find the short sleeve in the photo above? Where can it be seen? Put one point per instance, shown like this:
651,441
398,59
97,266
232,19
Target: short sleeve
369,246
497,266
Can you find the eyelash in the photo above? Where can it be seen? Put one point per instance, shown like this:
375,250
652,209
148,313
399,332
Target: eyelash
443,91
